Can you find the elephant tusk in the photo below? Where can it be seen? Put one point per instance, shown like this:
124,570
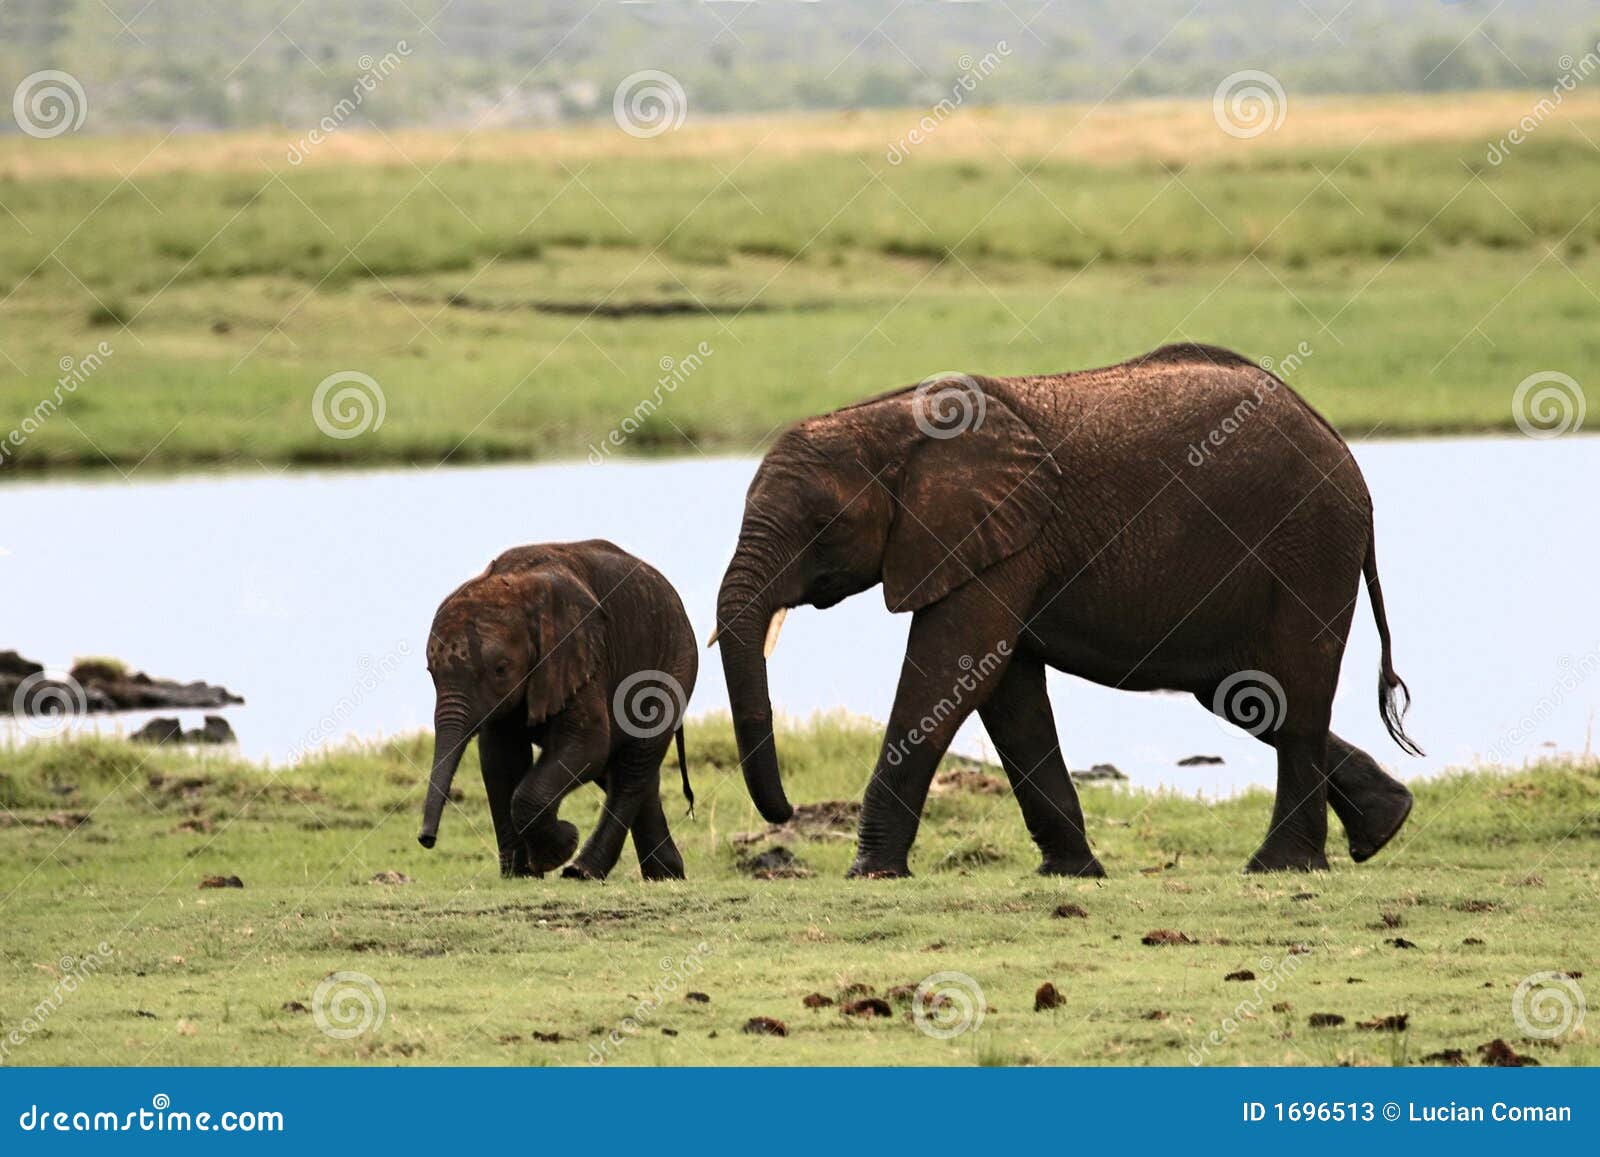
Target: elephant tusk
773,628
716,633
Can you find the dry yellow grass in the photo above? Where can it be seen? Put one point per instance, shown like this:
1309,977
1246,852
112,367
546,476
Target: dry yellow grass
1175,131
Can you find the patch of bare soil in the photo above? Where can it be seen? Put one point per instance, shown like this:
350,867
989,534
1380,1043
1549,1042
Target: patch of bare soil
1394,1022
816,1000
1161,936
868,1006
776,863
1497,1054
390,876
833,819
974,856
969,780
1067,911
765,1026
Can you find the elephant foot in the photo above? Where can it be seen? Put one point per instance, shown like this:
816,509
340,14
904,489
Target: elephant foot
548,858
1286,859
876,870
1085,866
659,869
577,871
1381,818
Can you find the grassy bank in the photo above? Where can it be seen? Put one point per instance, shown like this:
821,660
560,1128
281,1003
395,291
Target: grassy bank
515,296
1495,879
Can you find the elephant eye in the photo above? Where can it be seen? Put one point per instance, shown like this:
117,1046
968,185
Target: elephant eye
501,667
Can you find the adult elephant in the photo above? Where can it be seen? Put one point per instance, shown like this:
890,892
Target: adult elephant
1181,521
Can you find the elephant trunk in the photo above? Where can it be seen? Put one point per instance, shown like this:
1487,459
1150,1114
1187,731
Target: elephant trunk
451,734
745,608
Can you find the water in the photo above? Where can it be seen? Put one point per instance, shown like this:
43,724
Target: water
311,594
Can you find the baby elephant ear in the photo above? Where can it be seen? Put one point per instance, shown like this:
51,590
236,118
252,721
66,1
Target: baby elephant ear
974,491
568,630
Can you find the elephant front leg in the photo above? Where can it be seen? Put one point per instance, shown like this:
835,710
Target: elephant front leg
506,757
957,653
1019,721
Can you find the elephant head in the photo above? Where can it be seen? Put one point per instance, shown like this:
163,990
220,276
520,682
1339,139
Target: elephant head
515,643
920,490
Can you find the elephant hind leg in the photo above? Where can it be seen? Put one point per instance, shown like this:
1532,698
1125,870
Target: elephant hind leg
659,858
1019,721
632,777
1371,804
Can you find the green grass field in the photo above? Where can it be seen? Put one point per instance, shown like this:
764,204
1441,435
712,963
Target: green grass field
1494,879
516,299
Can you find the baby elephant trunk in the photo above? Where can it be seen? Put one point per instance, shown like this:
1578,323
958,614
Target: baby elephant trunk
449,743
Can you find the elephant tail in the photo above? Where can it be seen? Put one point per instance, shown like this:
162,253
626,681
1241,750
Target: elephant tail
1394,697
683,768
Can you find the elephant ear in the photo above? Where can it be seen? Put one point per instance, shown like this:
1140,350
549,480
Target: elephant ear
966,500
568,630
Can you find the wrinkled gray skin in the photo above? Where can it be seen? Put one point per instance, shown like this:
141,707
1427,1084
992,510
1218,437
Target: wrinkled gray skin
533,653
1092,523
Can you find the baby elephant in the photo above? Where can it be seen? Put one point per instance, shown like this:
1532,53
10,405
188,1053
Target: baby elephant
585,651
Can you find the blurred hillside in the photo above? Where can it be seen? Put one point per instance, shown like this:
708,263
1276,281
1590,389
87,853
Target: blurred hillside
199,65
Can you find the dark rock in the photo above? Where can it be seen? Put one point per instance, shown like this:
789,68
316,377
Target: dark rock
161,729
1046,997
1325,1020
1400,942
697,997
1455,1058
868,1006
1167,936
1497,1054
1200,761
15,666
216,730
1242,974
222,882
1394,1022
1099,773
765,1026
103,685
816,1000
1068,911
